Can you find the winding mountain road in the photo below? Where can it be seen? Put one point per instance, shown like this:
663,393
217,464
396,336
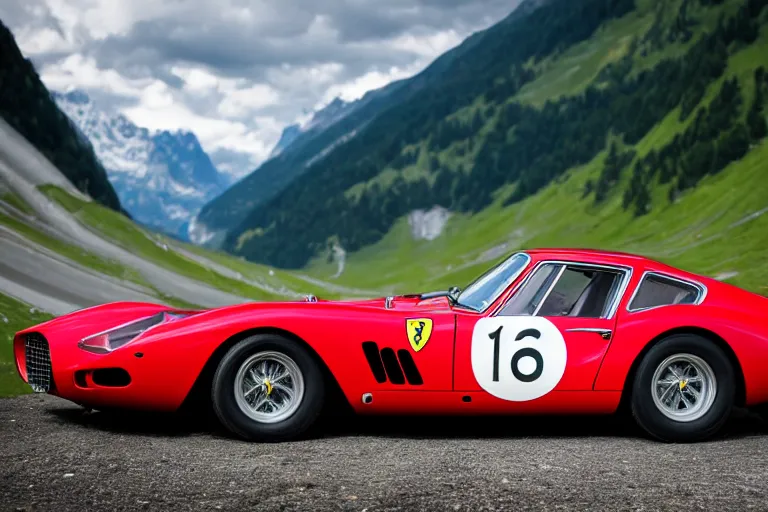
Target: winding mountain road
22,170
31,274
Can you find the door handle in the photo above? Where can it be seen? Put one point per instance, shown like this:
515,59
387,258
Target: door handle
604,333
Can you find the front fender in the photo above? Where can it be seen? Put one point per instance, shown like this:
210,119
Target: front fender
329,330
334,331
65,331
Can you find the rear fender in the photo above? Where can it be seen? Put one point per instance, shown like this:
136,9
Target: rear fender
746,337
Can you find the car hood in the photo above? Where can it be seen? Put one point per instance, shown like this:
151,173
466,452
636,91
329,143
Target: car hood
395,303
88,321
402,302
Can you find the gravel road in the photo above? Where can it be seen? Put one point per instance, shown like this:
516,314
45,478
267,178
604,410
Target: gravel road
57,457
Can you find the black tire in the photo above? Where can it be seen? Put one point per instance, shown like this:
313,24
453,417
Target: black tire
237,421
660,426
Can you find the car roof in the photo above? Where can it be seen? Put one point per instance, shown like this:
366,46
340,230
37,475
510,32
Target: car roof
584,254
616,257
603,257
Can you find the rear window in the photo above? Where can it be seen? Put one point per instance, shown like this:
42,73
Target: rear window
656,290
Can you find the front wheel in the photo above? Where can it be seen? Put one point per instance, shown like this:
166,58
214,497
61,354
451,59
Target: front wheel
684,389
268,388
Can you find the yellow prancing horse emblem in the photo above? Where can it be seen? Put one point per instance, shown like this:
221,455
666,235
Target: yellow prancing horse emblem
419,330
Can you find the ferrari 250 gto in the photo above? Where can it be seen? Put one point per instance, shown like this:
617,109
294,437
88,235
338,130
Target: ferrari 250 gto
544,332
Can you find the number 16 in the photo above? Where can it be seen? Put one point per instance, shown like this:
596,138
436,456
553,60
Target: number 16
524,352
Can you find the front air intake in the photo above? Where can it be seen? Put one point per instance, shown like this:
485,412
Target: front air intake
38,363
386,365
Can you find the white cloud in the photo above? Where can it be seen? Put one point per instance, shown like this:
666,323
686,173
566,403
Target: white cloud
196,80
429,45
241,102
357,87
424,47
44,40
157,110
236,71
159,107
76,71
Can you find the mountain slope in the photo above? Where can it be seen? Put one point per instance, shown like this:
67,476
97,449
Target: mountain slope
400,145
27,106
715,224
290,133
162,178
340,122
465,145
293,155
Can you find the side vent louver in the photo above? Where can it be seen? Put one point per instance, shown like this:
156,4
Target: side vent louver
386,365
371,352
409,367
394,372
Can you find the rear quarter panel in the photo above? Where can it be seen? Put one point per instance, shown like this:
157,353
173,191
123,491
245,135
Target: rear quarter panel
735,316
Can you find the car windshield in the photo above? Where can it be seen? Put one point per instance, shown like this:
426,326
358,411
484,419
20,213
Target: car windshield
486,289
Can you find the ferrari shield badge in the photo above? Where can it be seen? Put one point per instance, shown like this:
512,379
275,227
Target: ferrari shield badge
419,330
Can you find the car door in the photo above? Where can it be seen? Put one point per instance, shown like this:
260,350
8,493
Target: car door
551,335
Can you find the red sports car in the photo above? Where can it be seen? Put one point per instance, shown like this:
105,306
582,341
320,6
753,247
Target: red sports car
543,332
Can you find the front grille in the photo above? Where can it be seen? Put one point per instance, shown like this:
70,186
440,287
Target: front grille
38,359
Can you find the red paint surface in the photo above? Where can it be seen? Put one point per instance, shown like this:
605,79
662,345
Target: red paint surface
174,353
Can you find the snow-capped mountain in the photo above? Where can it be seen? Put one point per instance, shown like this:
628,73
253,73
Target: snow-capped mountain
162,178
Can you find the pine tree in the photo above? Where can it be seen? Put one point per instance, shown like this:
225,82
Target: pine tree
755,118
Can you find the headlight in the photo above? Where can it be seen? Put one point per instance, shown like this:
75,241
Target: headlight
116,337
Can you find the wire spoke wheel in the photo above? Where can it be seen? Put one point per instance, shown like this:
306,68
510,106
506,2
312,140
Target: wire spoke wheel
683,387
269,387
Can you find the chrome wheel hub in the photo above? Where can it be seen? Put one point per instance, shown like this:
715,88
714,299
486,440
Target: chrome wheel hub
269,387
683,387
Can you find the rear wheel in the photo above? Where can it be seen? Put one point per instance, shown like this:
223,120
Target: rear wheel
684,389
268,388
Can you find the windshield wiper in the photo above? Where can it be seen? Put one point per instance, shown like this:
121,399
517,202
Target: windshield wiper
452,293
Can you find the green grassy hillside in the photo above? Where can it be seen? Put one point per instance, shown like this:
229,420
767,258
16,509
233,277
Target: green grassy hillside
715,226
68,250
150,246
14,316
718,229
247,279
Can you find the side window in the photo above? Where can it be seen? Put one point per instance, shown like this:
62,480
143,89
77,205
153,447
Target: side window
581,292
566,290
656,290
527,299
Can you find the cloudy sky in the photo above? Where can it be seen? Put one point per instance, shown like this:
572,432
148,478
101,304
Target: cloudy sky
236,72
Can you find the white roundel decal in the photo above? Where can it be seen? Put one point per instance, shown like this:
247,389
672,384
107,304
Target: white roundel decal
518,358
